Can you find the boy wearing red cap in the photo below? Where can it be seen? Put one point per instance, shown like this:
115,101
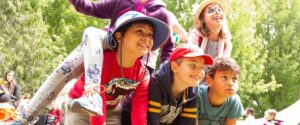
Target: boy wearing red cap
172,91
218,103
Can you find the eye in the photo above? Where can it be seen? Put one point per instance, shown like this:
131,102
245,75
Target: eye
140,32
224,78
193,66
150,35
210,10
219,9
234,79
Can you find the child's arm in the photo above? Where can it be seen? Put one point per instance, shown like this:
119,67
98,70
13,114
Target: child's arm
235,110
177,28
140,103
230,121
101,9
193,37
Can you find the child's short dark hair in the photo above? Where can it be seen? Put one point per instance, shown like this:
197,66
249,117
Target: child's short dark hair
127,26
223,64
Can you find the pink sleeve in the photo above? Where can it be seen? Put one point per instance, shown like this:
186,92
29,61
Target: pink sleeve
193,37
140,103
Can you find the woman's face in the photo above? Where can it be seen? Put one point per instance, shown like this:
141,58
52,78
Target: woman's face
10,76
213,16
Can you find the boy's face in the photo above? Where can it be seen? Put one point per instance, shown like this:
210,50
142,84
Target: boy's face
138,39
224,83
190,71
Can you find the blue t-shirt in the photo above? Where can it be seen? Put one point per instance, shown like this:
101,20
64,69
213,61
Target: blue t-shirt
209,115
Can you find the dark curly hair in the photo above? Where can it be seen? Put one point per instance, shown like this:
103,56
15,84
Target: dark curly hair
223,64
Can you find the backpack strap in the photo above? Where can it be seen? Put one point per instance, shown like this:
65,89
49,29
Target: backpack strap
200,41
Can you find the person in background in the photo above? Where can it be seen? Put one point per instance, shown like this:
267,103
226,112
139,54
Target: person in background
11,87
23,102
55,115
218,103
250,116
270,117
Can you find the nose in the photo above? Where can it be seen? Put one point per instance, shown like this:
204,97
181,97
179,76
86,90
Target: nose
147,37
230,82
200,73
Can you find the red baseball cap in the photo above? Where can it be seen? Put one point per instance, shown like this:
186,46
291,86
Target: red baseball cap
188,50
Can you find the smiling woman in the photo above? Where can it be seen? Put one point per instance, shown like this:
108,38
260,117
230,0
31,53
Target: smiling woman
11,87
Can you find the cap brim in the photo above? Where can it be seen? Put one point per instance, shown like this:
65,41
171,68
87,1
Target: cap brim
161,34
208,60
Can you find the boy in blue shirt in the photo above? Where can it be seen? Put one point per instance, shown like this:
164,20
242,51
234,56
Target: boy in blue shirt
218,103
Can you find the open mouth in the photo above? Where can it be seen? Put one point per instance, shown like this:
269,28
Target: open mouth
143,45
218,18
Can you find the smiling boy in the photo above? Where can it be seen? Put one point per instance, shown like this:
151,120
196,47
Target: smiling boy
172,91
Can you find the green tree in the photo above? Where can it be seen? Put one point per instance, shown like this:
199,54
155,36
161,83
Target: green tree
280,28
25,45
66,26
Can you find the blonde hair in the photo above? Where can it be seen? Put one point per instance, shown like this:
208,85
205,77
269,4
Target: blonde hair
271,112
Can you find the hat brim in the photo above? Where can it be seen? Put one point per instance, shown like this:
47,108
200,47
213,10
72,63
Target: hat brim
204,4
161,34
208,60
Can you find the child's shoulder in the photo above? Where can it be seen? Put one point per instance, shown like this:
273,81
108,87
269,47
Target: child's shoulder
202,89
235,99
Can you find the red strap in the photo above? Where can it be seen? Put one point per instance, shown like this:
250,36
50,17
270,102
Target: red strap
200,41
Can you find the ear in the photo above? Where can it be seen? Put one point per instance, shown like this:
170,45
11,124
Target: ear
174,66
118,37
209,80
